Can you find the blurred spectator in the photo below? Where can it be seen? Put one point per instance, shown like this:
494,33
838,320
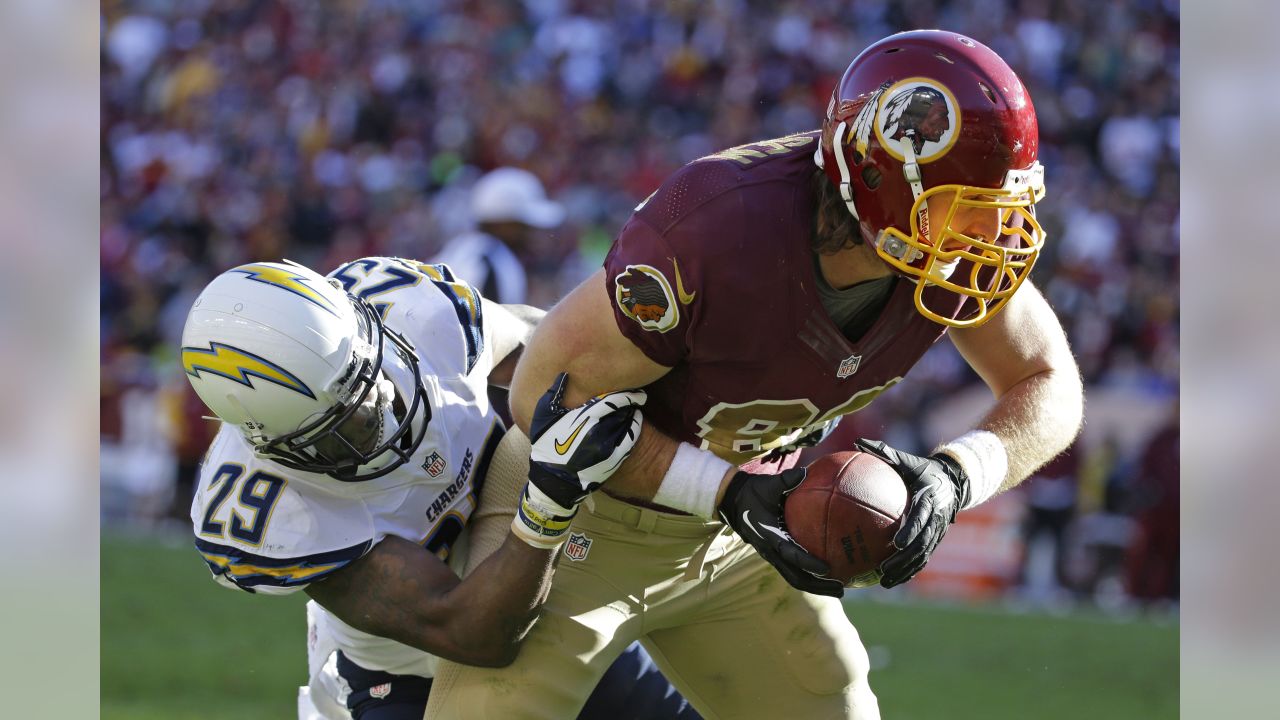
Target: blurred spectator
512,213
511,210
1153,557
136,456
1051,507
193,432
1104,530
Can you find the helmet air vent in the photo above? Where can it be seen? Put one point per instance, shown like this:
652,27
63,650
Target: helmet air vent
944,58
871,177
988,92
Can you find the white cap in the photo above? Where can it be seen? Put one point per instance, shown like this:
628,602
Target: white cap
513,194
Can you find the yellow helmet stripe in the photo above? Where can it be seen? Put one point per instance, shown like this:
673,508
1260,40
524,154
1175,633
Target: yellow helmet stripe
239,365
286,279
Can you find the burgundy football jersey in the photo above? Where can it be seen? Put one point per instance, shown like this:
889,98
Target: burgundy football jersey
713,276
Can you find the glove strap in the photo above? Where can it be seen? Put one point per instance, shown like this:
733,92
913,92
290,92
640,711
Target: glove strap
983,459
541,521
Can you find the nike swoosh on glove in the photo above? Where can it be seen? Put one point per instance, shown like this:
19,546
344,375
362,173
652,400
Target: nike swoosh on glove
575,450
752,506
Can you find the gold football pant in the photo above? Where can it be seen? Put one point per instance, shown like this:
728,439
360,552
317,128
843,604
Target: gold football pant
723,626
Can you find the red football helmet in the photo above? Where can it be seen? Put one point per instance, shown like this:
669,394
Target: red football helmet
934,116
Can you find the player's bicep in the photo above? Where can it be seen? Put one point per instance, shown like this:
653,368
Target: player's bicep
388,592
1023,340
580,336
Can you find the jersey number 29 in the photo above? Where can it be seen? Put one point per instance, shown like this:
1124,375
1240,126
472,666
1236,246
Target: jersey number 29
257,497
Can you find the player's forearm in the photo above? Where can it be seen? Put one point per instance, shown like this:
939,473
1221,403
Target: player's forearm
1035,420
404,593
641,474
1023,356
498,603
649,470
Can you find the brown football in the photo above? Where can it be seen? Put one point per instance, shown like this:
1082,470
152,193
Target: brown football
846,512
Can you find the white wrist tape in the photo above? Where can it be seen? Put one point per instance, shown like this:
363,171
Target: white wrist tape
984,459
541,521
692,481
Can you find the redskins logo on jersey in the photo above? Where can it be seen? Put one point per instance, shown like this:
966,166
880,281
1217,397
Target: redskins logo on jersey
644,295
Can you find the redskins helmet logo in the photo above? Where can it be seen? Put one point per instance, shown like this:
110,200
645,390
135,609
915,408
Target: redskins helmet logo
644,295
919,111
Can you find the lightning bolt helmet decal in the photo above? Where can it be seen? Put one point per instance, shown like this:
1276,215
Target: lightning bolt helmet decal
349,399
239,365
285,279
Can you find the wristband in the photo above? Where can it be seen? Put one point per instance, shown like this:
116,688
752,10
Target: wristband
985,461
541,521
692,481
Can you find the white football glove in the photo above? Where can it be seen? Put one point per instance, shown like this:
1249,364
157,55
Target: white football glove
573,452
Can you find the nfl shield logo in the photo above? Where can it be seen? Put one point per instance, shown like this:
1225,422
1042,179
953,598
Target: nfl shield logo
434,464
577,547
379,692
848,366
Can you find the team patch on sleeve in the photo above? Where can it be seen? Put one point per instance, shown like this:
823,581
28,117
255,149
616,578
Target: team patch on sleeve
251,572
643,294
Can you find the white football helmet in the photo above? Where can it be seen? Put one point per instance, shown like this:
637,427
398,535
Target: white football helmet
307,371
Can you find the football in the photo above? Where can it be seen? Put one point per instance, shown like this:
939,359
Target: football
846,512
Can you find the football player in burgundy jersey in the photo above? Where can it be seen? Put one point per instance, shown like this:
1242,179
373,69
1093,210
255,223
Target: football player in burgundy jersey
757,296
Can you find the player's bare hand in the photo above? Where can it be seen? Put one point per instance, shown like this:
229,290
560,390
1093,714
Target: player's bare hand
938,489
752,506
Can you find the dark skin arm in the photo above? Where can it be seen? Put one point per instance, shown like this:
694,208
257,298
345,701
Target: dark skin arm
402,592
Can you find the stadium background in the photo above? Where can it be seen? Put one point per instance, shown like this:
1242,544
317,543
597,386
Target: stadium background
238,131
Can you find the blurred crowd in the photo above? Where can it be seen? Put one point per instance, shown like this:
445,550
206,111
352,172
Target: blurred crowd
241,130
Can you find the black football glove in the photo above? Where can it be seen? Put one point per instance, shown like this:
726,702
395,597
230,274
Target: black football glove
752,506
576,449
938,488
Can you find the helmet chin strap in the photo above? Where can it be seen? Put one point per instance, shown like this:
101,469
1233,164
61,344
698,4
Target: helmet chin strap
846,179
256,438
911,168
911,171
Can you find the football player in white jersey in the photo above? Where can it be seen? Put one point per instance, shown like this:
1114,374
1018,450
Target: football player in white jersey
356,431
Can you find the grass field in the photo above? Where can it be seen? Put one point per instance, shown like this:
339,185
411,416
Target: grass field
177,647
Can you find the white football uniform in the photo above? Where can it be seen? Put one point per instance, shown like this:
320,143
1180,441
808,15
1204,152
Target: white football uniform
265,528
